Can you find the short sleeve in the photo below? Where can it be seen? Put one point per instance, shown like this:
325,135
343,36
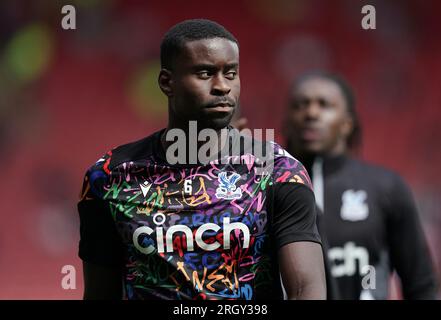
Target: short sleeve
292,202
100,242
294,216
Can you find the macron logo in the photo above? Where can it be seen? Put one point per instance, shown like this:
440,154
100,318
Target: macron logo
145,187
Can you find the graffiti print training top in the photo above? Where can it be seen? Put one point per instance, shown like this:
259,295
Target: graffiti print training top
194,231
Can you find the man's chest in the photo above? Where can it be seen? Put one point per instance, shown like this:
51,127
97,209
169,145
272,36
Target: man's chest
355,225
162,209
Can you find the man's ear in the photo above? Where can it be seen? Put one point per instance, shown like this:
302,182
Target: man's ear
165,82
347,127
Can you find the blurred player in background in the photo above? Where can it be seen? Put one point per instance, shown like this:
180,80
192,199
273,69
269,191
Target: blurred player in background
370,218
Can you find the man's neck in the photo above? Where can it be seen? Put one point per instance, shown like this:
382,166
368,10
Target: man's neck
192,140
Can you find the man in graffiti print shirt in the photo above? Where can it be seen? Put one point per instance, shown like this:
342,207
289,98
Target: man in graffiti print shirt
222,229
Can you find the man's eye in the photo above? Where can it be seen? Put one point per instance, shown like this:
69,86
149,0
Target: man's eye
203,74
231,75
300,104
324,104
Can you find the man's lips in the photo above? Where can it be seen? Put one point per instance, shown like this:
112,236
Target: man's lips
220,107
310,134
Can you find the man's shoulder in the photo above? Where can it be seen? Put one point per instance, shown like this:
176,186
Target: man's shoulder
283,158
287,168
132,151
379,175
281,153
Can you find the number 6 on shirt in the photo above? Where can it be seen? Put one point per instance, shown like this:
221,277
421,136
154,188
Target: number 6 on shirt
187,186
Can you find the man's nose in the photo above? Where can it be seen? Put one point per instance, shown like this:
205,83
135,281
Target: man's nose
313,110
220,86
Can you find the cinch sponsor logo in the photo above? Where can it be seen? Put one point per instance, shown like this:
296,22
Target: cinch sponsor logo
159,219
344,260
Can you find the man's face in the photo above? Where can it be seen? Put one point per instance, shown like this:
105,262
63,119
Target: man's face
318,121
205,83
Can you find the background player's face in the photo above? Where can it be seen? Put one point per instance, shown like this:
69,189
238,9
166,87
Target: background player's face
318,121
205,83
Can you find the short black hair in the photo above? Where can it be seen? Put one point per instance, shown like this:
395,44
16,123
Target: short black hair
354,139
190,30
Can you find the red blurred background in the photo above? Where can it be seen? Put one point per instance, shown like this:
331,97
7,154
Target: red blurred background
68,96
